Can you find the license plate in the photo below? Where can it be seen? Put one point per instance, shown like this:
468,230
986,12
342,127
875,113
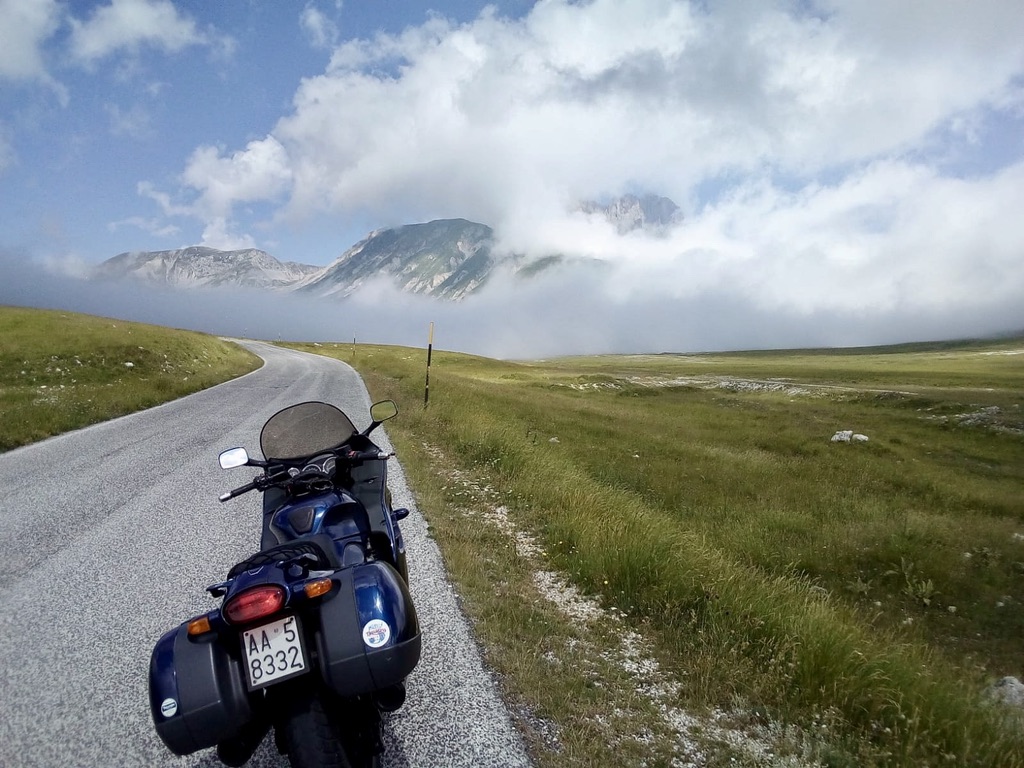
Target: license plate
273,652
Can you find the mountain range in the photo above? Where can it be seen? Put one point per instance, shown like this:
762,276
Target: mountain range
447,258
202,266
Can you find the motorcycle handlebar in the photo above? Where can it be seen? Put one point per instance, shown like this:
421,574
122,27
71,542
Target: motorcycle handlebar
375,455
238,491
262,482
266,480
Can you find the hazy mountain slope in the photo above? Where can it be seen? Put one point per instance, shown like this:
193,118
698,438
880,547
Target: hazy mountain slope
448,258
200,266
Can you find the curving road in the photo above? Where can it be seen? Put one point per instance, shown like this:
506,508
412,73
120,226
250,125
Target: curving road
108,537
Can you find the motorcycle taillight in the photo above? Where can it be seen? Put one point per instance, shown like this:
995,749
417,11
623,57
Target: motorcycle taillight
255,603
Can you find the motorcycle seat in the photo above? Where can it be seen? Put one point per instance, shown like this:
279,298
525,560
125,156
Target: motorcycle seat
319,545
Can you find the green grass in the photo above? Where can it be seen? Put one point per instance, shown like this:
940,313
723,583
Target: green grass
851,600
774,572
61,371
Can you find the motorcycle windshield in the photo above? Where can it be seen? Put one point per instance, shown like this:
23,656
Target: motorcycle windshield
304,430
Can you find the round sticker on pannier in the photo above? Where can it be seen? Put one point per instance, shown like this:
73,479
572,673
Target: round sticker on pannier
376,633
168,707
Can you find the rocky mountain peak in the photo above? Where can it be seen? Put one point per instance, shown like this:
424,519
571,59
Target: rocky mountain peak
650,213
446,258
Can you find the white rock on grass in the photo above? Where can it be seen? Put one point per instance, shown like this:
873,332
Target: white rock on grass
1009,690
848,435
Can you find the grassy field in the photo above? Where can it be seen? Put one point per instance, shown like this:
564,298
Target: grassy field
61,371
666,558
846,603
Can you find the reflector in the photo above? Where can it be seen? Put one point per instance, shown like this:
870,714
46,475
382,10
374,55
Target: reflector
255,603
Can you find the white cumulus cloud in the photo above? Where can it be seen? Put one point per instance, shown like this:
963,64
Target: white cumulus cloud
259,172
584,99
26,25
130,24
321,31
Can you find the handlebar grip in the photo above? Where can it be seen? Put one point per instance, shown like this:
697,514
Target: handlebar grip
356,456
238,491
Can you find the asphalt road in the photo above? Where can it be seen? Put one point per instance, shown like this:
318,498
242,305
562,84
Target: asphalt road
108,537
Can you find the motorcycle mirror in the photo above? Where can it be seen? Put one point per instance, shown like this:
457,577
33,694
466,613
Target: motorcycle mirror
234,457
384,410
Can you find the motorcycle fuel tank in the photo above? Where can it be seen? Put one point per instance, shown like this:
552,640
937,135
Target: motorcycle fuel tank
334,512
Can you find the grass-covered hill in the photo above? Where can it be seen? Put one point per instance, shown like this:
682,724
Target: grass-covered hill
61,371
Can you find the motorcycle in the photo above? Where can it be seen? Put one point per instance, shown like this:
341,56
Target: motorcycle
316,632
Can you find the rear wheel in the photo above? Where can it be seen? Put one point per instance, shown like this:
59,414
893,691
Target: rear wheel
320,731
311,737
360,726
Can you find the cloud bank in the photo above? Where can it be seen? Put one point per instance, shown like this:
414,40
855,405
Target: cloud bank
567,312
850,171
827,155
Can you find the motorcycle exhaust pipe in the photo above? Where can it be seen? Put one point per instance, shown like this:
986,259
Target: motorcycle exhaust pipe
391,698
237,751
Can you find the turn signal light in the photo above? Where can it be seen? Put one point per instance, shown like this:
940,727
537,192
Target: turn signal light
317,587
199,626
254,603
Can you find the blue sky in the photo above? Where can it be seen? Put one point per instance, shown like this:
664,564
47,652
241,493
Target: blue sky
857,158
102,97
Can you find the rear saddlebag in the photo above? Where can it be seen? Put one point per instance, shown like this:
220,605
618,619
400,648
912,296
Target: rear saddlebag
369,636
197,692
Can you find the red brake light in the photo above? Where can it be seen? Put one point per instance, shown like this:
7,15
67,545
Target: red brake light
254,604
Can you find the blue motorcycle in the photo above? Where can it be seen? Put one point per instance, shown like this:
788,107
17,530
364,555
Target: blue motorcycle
317,631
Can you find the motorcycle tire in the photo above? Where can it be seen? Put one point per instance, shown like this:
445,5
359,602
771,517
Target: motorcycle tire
361,733
311,737
319,732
